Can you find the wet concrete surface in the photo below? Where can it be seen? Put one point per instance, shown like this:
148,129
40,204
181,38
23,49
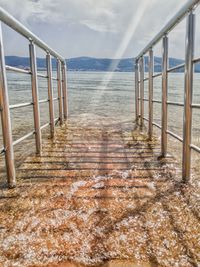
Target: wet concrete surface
99,196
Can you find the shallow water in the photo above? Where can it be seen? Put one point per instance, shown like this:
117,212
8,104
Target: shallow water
103,94
100,95
112,205
98,193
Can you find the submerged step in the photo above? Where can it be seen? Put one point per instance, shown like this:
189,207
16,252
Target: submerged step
87,207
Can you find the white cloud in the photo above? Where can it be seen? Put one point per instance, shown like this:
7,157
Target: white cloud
93,27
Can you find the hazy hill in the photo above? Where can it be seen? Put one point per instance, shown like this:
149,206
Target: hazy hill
94,64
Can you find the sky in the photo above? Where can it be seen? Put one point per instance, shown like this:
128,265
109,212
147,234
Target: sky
94,28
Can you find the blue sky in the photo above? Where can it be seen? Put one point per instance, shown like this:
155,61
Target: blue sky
96,28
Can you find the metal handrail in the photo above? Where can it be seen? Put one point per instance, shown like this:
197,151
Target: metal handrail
43,101
175,136
157,125
9,20
153,100
23,138
196,106
157,101
177,104
157,75
42,75
33,72
176,67
196,60
17,70
188,105
195,148
22,105
44,126
170,25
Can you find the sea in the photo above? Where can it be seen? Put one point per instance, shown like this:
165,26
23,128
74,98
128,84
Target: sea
100,95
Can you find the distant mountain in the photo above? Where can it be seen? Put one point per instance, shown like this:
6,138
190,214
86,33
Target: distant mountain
100,64
24,62
96,64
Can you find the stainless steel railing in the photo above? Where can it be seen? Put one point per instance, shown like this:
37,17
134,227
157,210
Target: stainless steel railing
186,10
5,108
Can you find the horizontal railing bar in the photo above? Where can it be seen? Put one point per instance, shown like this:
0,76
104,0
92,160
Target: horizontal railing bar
56,120
157,125
2,151
21,105
157,75
196,148
55,98
54,78
169,26
9,20
170,103
175,103
42,75
195,105
18,70
43,101
169,132
45,125
144,80
176,67
154,100
157,101
23,138
196,60
175,136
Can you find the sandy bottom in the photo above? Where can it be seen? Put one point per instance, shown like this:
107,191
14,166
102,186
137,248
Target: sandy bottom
99,196
113,263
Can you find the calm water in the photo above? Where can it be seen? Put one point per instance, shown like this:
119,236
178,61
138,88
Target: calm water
99,94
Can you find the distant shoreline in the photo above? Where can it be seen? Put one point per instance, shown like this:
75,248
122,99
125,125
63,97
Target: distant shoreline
96,64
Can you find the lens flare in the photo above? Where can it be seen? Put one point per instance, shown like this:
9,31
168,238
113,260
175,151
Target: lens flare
133,25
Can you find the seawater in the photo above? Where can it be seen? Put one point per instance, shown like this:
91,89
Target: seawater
100,95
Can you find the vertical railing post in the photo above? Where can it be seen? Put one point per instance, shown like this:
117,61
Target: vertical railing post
151,70
35,96
187,124
64,91
50,94
142,91
5,117
136,92
60,100
164,96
